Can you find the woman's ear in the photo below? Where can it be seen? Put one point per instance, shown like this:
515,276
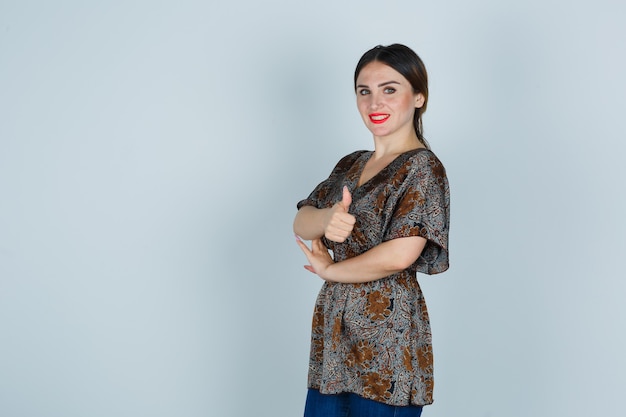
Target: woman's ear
419,100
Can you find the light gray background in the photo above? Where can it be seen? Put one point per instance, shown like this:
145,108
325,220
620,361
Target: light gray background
152,153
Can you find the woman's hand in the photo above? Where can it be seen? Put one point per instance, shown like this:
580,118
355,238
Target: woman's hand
338,223
318,256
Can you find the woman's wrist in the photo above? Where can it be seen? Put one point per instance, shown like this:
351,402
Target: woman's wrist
330,272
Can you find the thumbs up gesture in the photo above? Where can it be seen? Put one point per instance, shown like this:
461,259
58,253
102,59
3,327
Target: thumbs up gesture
338,222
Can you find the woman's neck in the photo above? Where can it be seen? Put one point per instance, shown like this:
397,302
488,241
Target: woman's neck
388,146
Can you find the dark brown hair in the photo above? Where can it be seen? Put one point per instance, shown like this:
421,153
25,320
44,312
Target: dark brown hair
402,59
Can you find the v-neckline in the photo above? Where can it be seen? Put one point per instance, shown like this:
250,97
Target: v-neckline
367,155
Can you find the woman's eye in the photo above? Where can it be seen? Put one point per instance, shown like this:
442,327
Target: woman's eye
390,90
364,91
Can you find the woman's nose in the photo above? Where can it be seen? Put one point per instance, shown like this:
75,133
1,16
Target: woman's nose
375,102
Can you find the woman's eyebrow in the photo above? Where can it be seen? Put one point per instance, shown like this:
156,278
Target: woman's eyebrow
379,85
387,83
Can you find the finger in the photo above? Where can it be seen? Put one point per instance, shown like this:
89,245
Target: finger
318,246
303,246
347,220
344,225
309,268
342,231
337,235
336,238
346,199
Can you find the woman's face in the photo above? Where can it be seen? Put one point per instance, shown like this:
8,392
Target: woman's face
386,100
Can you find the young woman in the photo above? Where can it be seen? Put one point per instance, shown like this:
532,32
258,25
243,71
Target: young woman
384,214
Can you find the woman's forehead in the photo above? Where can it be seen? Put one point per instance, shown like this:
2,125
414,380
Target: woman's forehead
377,71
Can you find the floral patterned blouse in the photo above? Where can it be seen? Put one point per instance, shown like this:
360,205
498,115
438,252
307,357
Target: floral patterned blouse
373,339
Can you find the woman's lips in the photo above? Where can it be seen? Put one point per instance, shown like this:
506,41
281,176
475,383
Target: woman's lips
378,118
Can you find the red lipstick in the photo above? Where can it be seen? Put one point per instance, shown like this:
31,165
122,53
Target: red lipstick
378,118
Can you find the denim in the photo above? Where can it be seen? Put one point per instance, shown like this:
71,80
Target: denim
352,405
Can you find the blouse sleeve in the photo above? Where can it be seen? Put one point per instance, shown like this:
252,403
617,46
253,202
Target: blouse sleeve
321,196
423,209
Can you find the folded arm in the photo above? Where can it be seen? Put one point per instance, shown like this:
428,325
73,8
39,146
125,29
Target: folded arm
381,261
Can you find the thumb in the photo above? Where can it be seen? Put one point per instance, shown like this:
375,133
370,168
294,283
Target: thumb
346,199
